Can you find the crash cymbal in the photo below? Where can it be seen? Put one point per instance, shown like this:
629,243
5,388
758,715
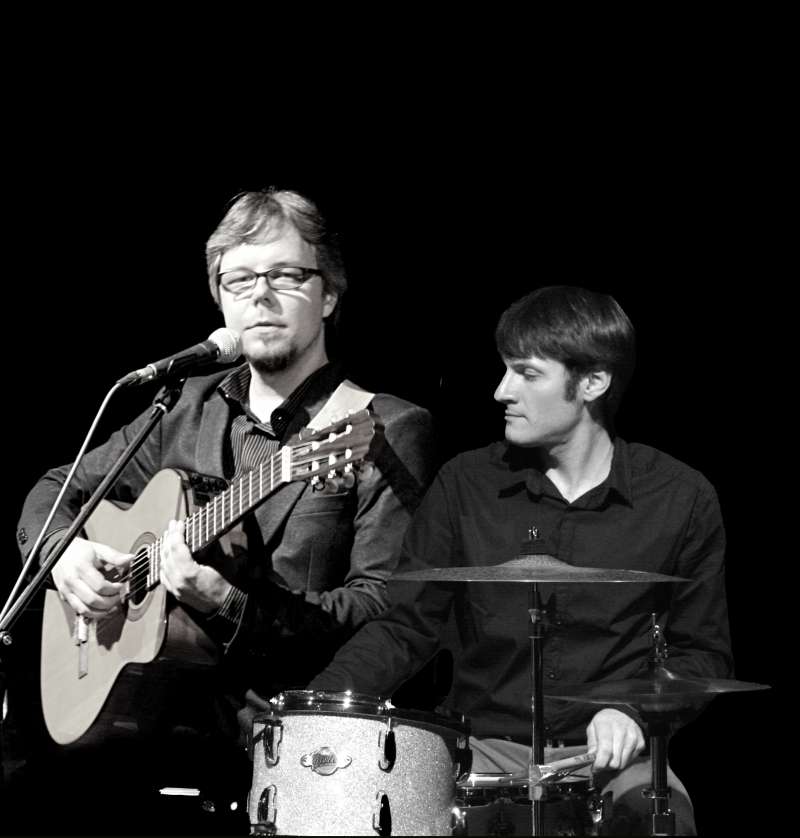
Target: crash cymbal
661,690
534,568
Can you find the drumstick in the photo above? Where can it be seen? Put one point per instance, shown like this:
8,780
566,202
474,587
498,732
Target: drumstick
550,771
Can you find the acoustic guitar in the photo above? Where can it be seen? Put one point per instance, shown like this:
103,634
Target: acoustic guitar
82,659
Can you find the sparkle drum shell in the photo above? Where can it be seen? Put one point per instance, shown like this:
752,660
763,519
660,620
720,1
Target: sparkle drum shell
328,763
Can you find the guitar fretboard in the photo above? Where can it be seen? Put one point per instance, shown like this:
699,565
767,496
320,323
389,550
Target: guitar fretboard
292,462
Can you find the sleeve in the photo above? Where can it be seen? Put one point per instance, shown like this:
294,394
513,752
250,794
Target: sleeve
386,496
88,476
387,651
697,628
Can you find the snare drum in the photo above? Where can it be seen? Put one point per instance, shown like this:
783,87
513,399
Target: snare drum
494,804
328,763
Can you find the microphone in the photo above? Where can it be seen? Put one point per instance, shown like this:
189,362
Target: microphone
222,347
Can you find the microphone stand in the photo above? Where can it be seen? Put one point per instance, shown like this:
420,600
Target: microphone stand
163,403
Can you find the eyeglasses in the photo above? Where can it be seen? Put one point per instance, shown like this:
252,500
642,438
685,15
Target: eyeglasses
241,281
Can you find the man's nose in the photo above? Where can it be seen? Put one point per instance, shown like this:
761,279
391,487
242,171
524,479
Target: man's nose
263,291
504,392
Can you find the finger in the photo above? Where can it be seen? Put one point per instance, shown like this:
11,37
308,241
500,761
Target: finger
83,600
96,581
627,749
617,743
92,599
602,746
109,556
178,557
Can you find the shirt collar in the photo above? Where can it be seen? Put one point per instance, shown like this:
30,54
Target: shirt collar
235,388
525,471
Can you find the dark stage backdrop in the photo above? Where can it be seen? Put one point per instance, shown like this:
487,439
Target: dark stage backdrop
110,275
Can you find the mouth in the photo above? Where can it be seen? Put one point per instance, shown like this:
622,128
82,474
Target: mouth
265,325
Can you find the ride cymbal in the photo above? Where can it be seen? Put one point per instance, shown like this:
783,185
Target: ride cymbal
533,568
662,689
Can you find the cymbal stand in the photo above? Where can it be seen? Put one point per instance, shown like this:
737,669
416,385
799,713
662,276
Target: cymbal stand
662,818
536,791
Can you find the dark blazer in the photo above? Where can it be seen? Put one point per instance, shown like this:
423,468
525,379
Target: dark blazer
313,564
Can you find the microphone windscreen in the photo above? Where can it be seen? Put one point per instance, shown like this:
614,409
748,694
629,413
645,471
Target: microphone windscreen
228,342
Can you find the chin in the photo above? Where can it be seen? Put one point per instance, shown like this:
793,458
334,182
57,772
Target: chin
522,440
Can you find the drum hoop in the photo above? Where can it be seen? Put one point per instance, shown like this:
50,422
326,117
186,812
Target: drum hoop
358,705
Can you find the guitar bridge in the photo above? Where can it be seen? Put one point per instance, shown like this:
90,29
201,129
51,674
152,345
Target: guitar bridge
80,634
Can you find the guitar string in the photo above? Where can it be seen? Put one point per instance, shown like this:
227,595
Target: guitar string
139,569
139,573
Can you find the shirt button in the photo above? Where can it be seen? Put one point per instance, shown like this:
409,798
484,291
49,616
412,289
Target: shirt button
551,674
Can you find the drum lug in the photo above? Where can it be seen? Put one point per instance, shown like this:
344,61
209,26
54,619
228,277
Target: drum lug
459,822
382,814
600,806
387,747
463,759
272,736
266,813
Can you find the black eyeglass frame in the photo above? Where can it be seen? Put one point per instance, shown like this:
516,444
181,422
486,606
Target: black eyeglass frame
270,275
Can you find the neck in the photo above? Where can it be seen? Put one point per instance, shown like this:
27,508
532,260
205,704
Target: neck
268,390
581,462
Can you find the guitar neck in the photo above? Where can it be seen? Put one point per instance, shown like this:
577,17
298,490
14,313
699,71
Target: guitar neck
305,459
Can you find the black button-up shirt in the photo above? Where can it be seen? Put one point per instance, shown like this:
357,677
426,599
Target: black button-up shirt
651,513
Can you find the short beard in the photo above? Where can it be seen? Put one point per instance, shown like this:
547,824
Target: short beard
274,363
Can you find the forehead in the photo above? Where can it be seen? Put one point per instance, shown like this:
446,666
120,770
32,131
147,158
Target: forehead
282,245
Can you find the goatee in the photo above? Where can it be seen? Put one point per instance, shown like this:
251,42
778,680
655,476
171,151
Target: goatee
274,363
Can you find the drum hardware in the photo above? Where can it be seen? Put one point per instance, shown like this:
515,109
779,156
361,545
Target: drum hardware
388,747
271,736
499,804
404,786
660,698
382,816
267,811
534,568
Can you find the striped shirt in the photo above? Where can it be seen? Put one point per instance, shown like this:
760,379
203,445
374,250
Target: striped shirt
251,442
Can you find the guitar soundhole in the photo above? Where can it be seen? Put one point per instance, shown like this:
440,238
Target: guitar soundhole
140,585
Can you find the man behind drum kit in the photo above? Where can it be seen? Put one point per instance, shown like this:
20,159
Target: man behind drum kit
564,479
315,563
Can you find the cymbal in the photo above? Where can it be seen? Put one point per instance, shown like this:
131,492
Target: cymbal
532,568
659,691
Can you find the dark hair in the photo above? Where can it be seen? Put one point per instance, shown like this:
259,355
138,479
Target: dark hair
252,216
584,330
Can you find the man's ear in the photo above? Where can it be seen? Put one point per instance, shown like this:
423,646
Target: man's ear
594,384
329,300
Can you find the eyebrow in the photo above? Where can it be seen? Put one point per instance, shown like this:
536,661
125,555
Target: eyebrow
517,364
282,264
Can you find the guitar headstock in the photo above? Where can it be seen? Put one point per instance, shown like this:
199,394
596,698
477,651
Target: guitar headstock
332,454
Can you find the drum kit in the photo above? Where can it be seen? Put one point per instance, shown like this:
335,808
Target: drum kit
327,763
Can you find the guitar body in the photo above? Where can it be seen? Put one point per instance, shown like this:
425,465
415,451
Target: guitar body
76,678
82,660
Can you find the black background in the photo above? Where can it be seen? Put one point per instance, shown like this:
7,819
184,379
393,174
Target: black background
442,227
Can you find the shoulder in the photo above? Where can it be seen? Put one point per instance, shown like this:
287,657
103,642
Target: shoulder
650,464
203,387
387,406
